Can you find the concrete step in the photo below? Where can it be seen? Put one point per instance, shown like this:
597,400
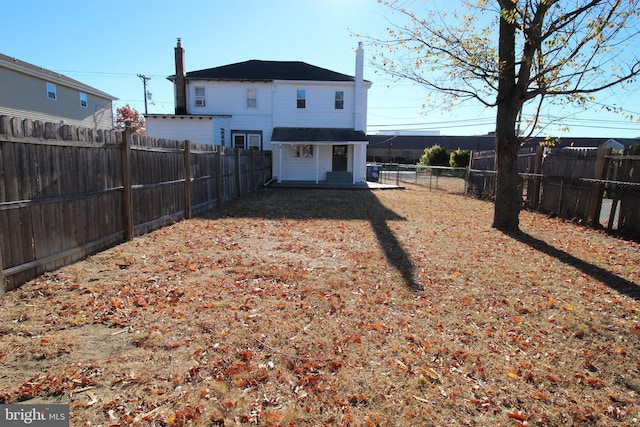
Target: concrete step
340,177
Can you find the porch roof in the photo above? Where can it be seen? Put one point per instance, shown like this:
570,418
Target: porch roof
330,135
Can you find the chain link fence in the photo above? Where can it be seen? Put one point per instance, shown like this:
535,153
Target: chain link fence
441,178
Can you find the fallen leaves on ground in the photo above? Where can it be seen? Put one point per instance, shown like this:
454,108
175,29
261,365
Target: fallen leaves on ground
337,308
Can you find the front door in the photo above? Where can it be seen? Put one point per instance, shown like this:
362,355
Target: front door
340,155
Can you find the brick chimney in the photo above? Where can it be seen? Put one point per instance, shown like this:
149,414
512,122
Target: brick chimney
180,83
359,118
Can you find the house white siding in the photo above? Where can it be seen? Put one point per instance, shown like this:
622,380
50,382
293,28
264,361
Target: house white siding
320,105
194,128
230,98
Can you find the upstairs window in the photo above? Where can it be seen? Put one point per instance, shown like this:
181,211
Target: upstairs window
200,102
83,100
339,102
51,91
252,98
301,98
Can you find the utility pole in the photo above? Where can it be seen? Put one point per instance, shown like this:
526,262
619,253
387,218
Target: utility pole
144,79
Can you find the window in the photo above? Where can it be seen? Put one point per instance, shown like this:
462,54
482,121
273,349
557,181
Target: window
301,98
238,141
339,103
223,141
200,96
247,139
296,150
51,91
254,142
252,98
83,100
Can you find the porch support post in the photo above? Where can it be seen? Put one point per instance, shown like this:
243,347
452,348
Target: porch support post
279,163
317,156
356,153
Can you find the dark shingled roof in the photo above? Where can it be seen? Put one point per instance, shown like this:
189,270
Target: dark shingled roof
317,135
256,70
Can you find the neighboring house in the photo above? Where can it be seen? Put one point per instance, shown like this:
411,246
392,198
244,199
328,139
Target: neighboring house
31,92
614,145
313,119
409,148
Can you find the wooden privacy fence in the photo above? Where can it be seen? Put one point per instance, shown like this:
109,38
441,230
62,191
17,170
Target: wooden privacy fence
67,192
590,185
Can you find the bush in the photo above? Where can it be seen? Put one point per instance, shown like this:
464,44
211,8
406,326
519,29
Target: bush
459,158
435,156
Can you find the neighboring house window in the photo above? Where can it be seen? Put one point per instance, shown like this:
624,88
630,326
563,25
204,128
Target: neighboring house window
83,100
296,150
339,104
301,98
200,97
51,91
222,137
254,142
252,98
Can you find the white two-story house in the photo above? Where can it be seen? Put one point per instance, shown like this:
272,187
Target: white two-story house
312,119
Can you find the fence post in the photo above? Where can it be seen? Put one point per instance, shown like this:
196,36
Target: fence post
252,171
537,180
187,179
595,202
219,176
3,280
127,198
236,154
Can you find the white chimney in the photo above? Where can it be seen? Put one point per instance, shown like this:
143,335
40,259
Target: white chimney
359,118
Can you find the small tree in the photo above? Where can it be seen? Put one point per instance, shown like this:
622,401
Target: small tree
128,119
435,156
459,158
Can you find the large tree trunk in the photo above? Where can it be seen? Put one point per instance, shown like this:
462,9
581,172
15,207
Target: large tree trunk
508,200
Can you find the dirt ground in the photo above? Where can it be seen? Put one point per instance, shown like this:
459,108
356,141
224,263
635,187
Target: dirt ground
336,308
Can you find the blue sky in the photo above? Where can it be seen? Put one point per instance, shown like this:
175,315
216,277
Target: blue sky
107,44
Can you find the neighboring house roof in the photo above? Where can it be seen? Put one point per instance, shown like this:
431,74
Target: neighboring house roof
474,143
420,142
282,134
256,70
52,76
612,143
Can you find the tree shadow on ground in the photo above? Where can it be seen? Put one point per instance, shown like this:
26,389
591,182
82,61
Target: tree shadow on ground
331,205
610,279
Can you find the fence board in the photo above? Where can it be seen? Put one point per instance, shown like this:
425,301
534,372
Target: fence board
629,195
573,184
67,192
